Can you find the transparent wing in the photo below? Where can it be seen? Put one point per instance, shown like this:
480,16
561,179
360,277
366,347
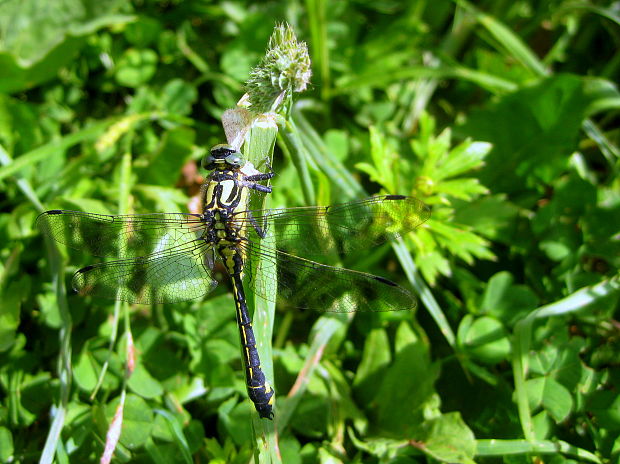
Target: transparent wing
167,276
319,231
236,123
306,284
340,229
120,236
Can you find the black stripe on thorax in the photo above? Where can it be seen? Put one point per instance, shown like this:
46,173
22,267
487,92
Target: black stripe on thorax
232,201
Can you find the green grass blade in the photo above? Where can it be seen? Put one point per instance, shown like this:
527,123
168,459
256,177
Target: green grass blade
608,149
259,144
606,12
296,150
43,152
579,299
510,42
24,185
500,448
177,433
317,19
64,359
319,156
326,327
423,291
381,79
120,307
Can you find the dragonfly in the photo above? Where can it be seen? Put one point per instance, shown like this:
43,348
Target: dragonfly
170,257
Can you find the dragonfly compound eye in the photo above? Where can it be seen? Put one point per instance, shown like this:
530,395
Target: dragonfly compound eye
234,160
208,162
219,154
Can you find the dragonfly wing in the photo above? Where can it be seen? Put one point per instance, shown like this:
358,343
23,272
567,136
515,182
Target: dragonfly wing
309,285
120,236
236,123
167,276
344,228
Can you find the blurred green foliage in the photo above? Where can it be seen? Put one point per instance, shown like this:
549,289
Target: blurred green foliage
502,116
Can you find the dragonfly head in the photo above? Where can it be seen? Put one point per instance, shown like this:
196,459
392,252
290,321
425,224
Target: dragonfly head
222,157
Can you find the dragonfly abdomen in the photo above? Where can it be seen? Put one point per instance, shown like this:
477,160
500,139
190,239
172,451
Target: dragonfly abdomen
259,390
229,232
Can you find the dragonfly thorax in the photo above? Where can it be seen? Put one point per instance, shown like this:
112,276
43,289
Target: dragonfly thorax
222,157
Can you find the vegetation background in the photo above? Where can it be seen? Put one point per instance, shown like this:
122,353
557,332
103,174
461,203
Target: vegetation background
503,116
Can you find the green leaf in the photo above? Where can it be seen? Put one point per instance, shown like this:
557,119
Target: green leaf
173,152
174,425
375,358
496,288
460,242
137,421
383,156
463,158
535,389
572,198
337,142
38,38
447,438
10,310
19,130
557,400
490,216
554,250
495,64
143,32
547,392
49,310
177,97
142,383
86,370
136,67
290,449
6,445
234,418
406,386
485,339
237,62
605,407
549,116
506,301
52,148
463,189
543,424
433,263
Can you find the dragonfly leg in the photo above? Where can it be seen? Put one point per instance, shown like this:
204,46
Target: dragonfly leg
251,180
262,175
259,187
260,231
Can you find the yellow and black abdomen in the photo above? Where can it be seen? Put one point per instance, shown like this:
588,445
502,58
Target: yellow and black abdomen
259,390
226,200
